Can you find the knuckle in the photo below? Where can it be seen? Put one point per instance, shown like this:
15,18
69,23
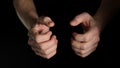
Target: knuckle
82,52
55,47
44,55
45,52
80,38
98,39
50,55
53,41
42,38
83,56
49,33
37,39
47,57
42,47
35,50
76,36
76,45
85,14
88,38
83,47
56,41
72,43
37,53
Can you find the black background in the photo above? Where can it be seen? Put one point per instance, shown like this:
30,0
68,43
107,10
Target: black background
17,54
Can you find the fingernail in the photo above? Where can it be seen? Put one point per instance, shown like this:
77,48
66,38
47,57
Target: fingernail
73,23
54,36
50,32
51,24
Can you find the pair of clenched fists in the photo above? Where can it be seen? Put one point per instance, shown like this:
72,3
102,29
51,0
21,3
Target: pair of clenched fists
44,43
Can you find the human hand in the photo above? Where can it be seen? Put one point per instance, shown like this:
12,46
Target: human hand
86,43
41,40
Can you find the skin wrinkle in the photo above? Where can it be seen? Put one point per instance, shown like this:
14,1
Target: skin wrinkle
38,26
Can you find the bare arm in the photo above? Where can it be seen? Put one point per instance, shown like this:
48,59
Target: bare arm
26,12
41,40
106,12
86,43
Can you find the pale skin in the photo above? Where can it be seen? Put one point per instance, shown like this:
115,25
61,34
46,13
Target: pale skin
44,43
84,44
41,40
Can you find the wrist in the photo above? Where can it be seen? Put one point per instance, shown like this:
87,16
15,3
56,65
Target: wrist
100,22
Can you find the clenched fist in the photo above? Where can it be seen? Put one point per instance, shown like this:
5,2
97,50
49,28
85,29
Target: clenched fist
41,40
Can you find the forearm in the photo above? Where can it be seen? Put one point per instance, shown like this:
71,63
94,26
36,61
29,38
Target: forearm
26,11
106,12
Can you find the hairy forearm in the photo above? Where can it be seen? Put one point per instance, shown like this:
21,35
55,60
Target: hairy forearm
106,12
26,11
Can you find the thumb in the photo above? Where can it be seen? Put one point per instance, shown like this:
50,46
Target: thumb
78,19
46,21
